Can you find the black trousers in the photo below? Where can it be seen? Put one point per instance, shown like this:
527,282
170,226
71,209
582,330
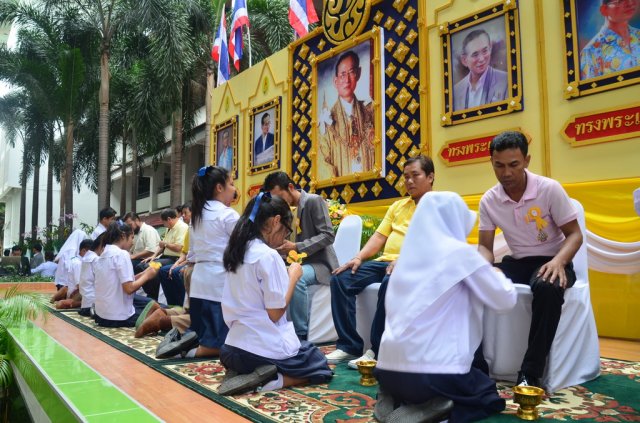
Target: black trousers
546,307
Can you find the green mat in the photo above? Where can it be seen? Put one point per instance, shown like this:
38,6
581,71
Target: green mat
613,397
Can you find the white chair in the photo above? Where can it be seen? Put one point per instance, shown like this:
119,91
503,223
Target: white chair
575,353
346,245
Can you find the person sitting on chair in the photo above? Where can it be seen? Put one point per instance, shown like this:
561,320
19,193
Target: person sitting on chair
345,285
541,229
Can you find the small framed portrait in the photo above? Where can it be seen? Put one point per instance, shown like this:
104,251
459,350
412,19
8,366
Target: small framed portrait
481,55
346,83
264,153
225,145
602,45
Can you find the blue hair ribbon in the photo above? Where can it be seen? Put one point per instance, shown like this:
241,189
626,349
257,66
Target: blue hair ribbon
203,170
256,205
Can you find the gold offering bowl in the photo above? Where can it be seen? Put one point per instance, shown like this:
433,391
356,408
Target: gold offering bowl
365,367
528,397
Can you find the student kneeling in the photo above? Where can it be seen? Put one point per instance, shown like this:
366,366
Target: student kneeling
262,349
434,305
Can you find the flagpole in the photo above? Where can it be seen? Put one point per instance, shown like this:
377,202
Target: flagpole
249,42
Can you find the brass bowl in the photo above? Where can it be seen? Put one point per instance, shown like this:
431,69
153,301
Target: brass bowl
528,397
365,367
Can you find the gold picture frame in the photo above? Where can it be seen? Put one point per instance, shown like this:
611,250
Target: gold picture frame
483,45
587,72
228,128
264,152
347,152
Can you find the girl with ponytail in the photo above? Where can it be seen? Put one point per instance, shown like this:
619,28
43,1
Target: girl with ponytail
262,350
212,221
116,304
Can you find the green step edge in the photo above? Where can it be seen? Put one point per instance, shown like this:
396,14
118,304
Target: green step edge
66,388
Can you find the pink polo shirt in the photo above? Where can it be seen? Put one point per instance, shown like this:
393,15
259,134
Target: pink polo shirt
531,226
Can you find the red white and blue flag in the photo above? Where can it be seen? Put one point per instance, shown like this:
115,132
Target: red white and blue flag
219,51
301,14
240,18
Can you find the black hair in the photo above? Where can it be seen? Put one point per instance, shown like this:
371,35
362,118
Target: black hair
115,232
264,116
247,229
203,189
187,206
472,36
16,248
37,247
426,164
349,54
98,242
86,244
277,179
507,140
107,212
131,215
48,256
167,214
179,208
6,252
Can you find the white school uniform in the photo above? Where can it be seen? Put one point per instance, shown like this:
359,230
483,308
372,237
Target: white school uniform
74,275
437,292
87,279
46,269
69,249
97,231
208,242
259,283
111,270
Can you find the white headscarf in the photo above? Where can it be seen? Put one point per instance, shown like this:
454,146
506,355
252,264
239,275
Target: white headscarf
70,248
434,257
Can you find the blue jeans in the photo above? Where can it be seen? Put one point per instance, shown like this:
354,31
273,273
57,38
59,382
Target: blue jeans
173,287
299,306
344,288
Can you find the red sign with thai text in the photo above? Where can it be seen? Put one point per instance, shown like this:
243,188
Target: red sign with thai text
466,151
605,126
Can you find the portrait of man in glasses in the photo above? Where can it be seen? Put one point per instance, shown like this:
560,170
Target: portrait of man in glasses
616,46
346,130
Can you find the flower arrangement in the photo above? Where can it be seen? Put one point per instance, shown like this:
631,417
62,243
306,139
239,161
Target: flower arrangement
337,212
295,257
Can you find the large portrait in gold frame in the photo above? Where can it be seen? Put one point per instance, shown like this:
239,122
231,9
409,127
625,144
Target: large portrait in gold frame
602,45
264,133
481,56
347,142
225,145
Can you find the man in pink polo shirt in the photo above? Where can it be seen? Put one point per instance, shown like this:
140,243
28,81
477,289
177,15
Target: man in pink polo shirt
541,228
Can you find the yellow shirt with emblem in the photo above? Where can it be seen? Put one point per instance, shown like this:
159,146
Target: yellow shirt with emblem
394,227
175,235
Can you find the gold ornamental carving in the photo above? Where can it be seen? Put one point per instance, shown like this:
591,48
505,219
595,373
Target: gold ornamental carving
344,19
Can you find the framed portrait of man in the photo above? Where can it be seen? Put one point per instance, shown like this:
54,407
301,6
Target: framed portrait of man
346,100
482,63
225,145
603,49
264,152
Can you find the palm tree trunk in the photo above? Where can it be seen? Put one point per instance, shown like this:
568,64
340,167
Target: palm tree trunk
176,158
68,174
35,202
103,131
123,172
49,211
134,173
23,195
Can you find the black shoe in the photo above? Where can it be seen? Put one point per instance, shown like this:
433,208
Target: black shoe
187,342
527,380
435,410
249,381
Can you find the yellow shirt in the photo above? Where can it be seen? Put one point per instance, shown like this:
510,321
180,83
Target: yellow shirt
394,227
175,235
185,244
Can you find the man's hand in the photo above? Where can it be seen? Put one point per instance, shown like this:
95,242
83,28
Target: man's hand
286,247
162,244
352,264
390,267
553,270
147,260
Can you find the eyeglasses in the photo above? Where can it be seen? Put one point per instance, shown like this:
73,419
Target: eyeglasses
351,73
288,230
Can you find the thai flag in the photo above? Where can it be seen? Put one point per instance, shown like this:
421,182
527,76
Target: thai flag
301,14
240,18
219,51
